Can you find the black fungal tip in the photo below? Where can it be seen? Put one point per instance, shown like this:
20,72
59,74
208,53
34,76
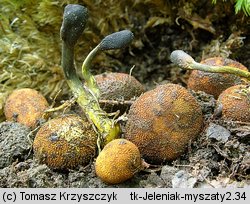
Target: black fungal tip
116,40
74,20
181,59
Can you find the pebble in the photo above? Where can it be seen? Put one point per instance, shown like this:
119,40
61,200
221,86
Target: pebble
217,132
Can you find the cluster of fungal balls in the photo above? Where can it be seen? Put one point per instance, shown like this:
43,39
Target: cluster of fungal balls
160,123
161,133
231,91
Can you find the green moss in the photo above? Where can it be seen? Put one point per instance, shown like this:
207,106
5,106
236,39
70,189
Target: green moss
30,45
240,5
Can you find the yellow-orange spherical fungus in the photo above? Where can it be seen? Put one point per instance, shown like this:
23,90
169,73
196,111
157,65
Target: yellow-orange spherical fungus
25,106
214,83
65,142
115,86
118,161
163,121
234,103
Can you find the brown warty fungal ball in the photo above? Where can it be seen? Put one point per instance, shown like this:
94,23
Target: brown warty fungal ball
119,160
118,87
163,121
234,103
115,86
214,83
25,106
65,142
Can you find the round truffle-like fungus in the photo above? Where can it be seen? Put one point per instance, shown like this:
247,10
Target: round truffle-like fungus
65,142
118,161
117,86
214,83
25,106
234,103
162,122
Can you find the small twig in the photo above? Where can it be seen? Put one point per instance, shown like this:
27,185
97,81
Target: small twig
218,150
131,70
65,105
146,167
54,99
184,165
115,102
242,123
234,170
30,141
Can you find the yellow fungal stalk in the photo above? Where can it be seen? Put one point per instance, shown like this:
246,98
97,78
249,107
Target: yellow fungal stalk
185,61
74,20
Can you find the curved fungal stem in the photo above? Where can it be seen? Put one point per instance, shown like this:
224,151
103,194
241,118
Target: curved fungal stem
185,61
89,79
113,41
74,20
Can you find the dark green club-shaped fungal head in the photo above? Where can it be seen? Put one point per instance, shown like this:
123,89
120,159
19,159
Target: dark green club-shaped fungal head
181,59
74,21
116,40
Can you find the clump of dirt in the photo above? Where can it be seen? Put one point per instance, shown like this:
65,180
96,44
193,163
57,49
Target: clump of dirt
15,143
